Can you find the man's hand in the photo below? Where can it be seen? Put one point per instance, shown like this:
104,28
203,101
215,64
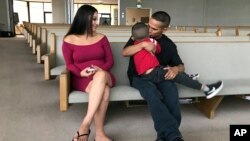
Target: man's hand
149,46
171,73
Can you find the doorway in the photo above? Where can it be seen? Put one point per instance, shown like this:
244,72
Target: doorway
134,15
47,17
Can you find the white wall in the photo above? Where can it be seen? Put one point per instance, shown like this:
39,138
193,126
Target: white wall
228,12
197,12
59,11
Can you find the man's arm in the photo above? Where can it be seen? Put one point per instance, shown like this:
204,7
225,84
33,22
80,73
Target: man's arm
177,65
180,68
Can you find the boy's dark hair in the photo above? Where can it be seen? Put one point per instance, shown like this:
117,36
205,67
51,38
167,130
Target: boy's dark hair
140,30
82,23
163,17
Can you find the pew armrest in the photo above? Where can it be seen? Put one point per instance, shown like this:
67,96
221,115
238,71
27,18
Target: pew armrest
38,54
64,88
40,50
49,62
34,42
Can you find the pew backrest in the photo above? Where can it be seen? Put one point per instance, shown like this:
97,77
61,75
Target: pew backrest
210,38
225,61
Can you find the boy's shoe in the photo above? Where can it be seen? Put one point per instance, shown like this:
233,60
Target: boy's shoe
214,89
178,139
159,140
194,76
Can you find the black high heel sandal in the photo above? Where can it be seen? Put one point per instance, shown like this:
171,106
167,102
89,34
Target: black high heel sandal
78,135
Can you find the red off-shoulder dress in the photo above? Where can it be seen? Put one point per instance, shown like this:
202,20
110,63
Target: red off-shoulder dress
78,57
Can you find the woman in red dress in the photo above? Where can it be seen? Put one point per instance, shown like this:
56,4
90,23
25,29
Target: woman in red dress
89,58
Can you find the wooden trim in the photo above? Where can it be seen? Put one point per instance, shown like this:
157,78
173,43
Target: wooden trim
237,33
64,82
218,32
28,37
34,46
52,42
208,106
49,62
40,50
30,41
38,54
46,68
205,29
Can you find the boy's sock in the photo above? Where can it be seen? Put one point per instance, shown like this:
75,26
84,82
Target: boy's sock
204,88
194,76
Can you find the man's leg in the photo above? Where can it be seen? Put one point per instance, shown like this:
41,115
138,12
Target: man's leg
171,101
165,122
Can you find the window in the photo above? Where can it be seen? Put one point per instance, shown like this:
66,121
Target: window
36,12
20,7
103,8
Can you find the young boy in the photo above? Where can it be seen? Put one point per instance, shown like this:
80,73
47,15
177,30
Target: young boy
148,67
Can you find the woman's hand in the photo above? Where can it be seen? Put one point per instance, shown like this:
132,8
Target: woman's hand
96,68
87,72
90,70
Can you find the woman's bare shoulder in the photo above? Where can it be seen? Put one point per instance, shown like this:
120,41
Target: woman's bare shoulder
100,35
69,38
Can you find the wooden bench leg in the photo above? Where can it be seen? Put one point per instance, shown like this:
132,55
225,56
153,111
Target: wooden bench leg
46,68
64,90
38,54
34,46
30,42
208,106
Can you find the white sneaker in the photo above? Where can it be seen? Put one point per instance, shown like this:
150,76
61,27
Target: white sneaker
194,76
214,89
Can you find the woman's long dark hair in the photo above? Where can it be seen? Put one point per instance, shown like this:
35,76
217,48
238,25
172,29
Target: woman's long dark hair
82,23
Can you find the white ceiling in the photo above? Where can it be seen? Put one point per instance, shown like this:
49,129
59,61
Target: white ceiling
82,1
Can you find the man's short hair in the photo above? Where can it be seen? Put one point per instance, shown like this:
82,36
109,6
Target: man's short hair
140,30
163,17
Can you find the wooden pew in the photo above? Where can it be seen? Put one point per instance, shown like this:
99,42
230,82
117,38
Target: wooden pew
40,50
54,62
209,38
225,61
25,29
189,34
53,66
212,104
243,30
39,36
102,29
43,45
220,30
